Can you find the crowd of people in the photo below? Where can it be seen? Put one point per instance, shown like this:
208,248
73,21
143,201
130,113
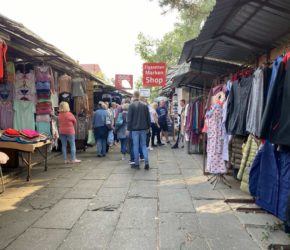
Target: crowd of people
135,125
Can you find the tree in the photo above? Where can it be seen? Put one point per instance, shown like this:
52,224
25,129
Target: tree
169,48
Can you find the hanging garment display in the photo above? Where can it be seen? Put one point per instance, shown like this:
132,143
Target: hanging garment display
279,131
24,87
43,90
23,115
81,127
44,74
43,128
6,114
3,51
6,92
250,149
10,72
64,84
215,162
81,104
78,87
238,106
274,97
255,106
235,151
43,108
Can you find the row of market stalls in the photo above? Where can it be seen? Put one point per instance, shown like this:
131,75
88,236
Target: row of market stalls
35,77
237,88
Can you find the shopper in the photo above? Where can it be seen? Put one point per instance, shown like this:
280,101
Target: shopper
162,119
148,135
67,122
155,125
121,127
138,124
101,121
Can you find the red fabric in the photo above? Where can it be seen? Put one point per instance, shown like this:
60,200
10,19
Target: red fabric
11,132
29,133
285,59
3,51
67,123
44,108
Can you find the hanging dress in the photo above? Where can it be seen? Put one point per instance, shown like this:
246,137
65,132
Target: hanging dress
215,162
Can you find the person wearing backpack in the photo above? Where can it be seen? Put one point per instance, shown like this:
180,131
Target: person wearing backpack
121,129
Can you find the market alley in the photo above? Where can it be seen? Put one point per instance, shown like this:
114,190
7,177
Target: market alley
104,204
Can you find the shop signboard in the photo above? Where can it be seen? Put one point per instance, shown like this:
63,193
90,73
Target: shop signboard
144,92
154,74
123,81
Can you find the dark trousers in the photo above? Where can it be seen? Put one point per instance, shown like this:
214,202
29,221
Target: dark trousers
155,132
148,137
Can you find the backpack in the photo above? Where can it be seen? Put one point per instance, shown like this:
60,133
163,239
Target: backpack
120,120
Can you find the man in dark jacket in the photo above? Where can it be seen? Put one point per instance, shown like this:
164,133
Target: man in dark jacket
138,124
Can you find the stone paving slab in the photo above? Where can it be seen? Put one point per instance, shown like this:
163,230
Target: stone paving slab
172,181
108,198
15,222
203,190
175,200
63,215
38,238
264,238
94,231
64,183
124,169
170,170
139,213
180,231
46,198
118,180
223,231
143,189
191,172
133,239
85,189
150,175
257,220
98,174
211,206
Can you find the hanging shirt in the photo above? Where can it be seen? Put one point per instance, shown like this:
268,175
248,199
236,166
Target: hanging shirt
3,51
6,114
64,83
23,115
24,87
78,87
44,74
10,71
6,92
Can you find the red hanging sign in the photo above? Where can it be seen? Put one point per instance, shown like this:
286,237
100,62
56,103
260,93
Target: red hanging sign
122,80
154,74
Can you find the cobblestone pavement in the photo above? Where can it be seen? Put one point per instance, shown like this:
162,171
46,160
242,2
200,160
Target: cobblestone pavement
103,204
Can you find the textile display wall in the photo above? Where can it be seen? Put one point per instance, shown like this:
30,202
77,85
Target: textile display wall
248,130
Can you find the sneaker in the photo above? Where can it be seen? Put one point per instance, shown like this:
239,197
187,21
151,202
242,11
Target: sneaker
149,148
66,162
141,159
135,166
123,157
161,144
147,166
99,156
76,161
154,146
131,162
168,142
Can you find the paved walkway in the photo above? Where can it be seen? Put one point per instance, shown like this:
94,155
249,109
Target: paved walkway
104,204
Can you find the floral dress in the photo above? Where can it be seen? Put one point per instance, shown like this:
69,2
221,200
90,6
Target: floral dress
215,133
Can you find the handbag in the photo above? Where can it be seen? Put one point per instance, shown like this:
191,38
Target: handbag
91,138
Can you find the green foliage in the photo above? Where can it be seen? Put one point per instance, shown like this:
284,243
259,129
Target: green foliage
169,48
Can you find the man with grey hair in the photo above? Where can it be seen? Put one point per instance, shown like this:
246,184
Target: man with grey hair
138,124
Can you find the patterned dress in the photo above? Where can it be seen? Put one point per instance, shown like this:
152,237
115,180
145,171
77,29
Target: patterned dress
215,133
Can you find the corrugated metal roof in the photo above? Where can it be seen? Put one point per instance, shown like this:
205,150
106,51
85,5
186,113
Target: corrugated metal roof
25,44
241,30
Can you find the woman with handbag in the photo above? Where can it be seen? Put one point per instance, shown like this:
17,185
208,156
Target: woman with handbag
100,125
67,123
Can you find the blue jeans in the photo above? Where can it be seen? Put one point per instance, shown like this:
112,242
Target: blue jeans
71,139
101,146
132,148
139,140
123,145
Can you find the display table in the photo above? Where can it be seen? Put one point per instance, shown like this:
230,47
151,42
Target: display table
30,149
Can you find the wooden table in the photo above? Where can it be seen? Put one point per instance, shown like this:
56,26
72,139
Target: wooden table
30,149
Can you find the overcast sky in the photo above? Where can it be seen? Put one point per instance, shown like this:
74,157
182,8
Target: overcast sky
94,31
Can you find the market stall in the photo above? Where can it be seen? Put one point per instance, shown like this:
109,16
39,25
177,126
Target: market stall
246,120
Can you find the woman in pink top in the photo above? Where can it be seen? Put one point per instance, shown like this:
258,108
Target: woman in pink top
67,122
